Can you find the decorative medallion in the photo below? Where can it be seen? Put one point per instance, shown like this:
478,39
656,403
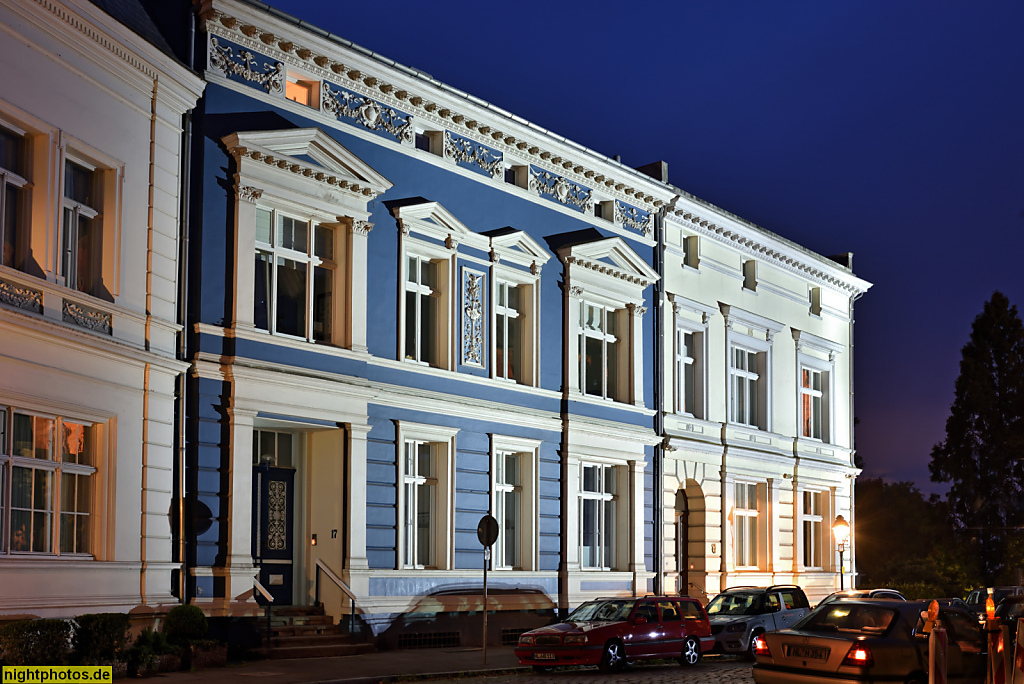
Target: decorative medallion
465,151
87,318
370,113
222,59
560,189
634,218
21,297
277,507
472,318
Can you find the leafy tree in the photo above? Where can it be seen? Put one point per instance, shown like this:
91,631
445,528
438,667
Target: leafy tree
981,454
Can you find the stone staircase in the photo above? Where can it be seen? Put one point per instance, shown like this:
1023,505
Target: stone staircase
306,632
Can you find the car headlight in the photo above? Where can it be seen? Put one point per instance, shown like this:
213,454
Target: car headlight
737,627
575,639
526,639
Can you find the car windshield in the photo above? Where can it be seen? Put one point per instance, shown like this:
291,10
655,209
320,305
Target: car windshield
604,611
848,618
999,594
1010,610
740,603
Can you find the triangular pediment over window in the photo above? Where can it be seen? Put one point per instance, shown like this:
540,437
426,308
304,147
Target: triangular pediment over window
517,247
431,219
292,149
611,257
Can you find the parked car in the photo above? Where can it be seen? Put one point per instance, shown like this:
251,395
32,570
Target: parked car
739,614
614,631
1010,610
868,640
864,593
976,599
957,603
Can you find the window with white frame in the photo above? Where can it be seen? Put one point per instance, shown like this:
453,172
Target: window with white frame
13,198
508,508
811,530
422,298
745,516
690,372
295,274
599,350
419,484
597,499
273,448
81,261
745,390
812,407
508,331
48,467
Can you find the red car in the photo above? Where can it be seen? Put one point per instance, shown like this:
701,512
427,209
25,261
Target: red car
612,632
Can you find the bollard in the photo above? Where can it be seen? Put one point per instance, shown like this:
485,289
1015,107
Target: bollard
938,651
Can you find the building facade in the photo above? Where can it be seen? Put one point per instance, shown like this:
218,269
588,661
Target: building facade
404,310
90,155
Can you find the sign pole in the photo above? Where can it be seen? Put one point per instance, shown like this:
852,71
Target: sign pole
487,558
487,533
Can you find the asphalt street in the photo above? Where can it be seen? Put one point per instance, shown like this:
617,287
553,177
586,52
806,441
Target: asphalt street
708,671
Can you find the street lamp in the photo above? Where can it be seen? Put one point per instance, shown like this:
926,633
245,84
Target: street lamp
841,531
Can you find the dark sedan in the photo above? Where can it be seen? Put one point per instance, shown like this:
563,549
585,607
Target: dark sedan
868,640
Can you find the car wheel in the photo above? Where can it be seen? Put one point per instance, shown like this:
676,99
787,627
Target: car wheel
691,652
613,657
750,646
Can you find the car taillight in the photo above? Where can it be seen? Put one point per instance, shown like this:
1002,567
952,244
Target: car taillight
859,656
526,639
761,646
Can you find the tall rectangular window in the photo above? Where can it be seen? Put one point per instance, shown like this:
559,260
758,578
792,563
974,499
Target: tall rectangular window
50,463
599,350
421,311
687,376
508,332
13,199
508,505
745,525
81,260
597,517
743,379
811,402
294,280
811,521
420,490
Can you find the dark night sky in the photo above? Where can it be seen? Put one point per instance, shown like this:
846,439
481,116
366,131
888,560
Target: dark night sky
894,130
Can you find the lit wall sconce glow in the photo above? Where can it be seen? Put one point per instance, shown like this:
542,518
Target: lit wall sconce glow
312,540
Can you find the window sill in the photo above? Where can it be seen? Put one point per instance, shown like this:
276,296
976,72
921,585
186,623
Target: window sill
256,335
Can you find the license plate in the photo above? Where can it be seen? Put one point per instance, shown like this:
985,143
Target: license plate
543,656
808,652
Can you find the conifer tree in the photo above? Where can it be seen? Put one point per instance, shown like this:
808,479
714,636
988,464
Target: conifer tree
981,454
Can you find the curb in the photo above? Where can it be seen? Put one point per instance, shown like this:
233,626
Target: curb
458,674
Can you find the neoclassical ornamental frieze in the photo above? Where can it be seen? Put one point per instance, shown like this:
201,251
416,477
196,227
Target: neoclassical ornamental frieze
21,297
634,218
466,151
296,167
606,269
258,40
472,318
563,190
87,318
222,58
366,111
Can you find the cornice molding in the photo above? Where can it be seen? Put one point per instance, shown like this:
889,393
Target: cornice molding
444,115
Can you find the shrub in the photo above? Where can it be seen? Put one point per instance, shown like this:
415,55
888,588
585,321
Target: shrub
185,623
35,642
100,638
146,651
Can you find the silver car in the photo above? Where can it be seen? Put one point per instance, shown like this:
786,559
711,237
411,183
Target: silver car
739,614
868,640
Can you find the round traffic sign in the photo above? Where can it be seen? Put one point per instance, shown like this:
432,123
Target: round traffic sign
487,530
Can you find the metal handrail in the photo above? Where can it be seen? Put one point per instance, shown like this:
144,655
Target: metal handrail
322,567
270,599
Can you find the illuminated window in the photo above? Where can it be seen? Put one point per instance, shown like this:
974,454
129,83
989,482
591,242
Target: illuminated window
745,522
303,91
811,521
13,198
295,272
81,261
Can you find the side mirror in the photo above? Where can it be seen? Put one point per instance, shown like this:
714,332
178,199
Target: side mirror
640,620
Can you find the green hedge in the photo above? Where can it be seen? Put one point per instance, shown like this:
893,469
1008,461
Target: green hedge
101,638
184,624
35,642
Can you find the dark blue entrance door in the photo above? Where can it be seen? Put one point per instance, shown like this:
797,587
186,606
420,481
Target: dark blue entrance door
273,524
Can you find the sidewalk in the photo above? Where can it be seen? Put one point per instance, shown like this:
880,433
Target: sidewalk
369,668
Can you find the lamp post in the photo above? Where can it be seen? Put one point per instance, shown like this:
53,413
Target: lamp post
841,531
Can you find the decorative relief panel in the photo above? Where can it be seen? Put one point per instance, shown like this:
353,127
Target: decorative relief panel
21,297
472,318
560,189
366,111
222,59
87,318
634,218
465,151
277,507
